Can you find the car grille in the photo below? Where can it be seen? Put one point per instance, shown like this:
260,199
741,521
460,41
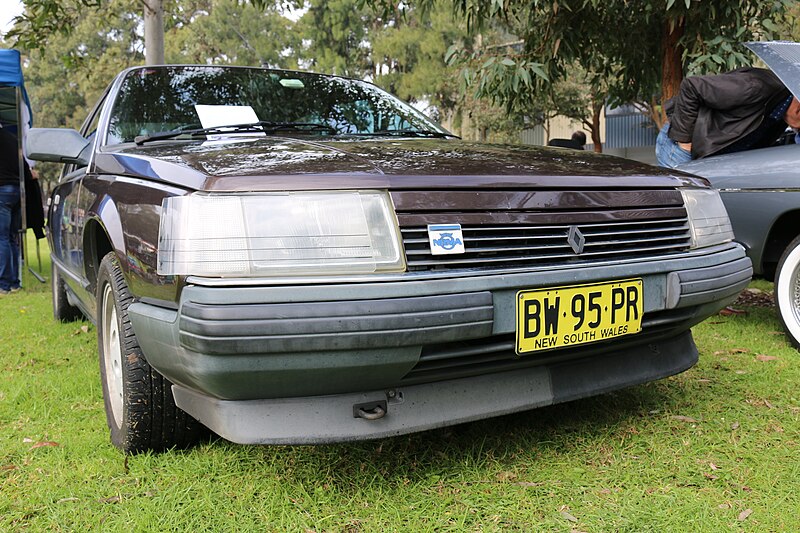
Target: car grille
531,231
496,353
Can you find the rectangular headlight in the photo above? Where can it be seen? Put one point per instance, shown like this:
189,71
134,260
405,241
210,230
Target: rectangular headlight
286,233
707,217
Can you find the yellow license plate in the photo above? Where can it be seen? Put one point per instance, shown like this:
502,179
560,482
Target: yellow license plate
567,316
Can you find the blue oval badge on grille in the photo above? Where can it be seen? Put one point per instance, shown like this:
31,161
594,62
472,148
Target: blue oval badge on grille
445,239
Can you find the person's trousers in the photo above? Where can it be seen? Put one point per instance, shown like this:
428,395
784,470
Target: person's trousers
668,153
9,230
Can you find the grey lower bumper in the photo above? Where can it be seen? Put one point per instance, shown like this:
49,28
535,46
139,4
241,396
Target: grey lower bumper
269,342
325,419
287,364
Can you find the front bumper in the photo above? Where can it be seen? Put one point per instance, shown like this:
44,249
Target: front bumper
287,363
431,405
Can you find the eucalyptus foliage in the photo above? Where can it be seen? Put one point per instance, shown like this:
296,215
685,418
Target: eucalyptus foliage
640,49
230,32
532,58
409,54
338,34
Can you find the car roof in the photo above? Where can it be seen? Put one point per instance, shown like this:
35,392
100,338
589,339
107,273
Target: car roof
783,57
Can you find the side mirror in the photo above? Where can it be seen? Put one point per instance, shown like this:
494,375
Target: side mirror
57,145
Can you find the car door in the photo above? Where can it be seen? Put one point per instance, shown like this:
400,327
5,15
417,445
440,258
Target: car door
67,219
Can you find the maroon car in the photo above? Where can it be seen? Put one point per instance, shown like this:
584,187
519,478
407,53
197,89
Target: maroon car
286,257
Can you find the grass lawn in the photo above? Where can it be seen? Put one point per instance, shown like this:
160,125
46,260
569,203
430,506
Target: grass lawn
715,448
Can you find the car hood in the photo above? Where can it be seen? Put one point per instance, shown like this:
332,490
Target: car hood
281,163
765,168
783,58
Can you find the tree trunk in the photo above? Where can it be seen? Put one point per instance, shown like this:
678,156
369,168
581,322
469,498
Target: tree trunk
671,65
153,32
597,110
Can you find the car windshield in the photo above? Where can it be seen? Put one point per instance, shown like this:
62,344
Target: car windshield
161,99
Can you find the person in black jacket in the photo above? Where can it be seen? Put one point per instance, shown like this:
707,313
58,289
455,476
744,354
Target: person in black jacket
10,217
9,213
724,113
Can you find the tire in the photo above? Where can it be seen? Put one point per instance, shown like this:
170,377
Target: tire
63,311
787,291
140,409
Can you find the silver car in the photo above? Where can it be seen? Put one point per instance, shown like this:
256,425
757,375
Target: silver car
761,191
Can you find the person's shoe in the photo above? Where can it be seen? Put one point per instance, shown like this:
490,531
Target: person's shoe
3,292
15,289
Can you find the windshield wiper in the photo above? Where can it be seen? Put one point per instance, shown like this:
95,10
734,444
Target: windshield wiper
411,133
254,127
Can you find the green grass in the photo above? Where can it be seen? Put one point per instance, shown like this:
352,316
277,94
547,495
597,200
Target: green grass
715,448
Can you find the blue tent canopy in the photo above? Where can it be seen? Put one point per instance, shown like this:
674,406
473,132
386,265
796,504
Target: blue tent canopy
15,116
13,97
10,71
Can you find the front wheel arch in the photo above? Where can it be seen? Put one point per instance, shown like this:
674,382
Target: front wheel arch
787,291
96,245
783,231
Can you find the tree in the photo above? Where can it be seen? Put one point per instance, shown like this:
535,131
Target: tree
103,44
229,32
639,49
409,52
153,31
789,24
402,52
580,96
62,93
337,34
44,18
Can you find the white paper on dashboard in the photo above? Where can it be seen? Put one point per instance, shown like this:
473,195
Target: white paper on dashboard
213,116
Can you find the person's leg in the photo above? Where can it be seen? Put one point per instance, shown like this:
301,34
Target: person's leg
16,245
668,153
9,205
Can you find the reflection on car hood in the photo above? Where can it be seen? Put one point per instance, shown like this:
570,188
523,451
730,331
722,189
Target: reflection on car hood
268,163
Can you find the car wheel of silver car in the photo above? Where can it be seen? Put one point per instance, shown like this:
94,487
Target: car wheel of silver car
63,311
787,291
140,409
